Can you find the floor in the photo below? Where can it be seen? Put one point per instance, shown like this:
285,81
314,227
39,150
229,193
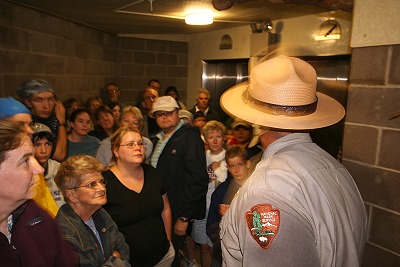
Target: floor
196,256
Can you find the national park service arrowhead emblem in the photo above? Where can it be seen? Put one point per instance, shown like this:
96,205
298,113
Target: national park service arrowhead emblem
263,222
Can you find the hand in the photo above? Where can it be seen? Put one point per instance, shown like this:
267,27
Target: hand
215,165
60,111
116,254
180,227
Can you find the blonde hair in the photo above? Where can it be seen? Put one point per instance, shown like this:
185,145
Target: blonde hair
213,126
136,112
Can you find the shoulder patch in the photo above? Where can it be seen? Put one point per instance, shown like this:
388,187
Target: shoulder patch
263,222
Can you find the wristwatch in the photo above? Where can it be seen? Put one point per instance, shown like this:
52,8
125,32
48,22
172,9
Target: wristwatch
184,219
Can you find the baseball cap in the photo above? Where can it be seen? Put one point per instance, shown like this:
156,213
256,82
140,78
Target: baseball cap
165,103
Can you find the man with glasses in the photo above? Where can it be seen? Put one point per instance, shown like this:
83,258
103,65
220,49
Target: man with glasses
39,96
113,93
179,155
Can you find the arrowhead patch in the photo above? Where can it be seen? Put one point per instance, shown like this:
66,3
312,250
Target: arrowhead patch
263,222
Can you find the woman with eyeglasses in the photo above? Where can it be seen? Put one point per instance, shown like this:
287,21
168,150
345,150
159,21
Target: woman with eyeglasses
138,202
130,117
87,226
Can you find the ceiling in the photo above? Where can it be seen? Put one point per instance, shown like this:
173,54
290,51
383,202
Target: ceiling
130,17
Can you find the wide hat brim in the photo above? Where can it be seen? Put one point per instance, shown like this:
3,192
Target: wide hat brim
328,112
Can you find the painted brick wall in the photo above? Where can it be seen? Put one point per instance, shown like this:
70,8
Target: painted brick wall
371,147
78,61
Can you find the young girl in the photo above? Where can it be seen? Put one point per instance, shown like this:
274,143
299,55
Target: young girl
79,142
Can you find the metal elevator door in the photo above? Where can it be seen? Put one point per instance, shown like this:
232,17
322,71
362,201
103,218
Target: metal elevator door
220,75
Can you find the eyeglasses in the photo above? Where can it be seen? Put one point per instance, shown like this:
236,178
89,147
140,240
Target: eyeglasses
92,185
163,113
133,144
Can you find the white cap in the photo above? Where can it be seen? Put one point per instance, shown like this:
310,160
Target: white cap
165,103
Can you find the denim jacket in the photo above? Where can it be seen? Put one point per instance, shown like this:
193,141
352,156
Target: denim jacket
86,243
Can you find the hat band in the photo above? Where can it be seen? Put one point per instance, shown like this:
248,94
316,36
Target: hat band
292,111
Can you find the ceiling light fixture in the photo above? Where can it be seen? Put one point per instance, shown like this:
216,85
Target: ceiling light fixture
199,17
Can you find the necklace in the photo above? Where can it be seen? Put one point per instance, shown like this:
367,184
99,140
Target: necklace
8,228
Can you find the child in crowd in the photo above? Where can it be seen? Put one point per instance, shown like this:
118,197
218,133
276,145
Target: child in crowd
199,119
79,142
43,140
238,167
213,132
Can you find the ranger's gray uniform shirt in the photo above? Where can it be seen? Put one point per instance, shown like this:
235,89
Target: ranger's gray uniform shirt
300,207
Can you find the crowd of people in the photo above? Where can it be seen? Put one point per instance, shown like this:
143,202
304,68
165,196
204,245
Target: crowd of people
142,185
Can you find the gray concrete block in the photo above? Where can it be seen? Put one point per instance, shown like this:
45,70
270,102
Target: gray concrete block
43,43
15,39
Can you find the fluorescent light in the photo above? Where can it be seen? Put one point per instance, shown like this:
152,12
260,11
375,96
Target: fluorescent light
199,17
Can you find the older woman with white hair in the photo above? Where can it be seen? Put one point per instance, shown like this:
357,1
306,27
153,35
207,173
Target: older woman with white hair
88,227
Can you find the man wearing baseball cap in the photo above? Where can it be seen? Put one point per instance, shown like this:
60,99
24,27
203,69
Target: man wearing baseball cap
180,157
300,207
39,96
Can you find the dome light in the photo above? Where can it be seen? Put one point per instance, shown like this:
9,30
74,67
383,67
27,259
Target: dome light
199,17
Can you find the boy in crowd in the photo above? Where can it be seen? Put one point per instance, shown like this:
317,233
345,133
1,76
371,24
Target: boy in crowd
239,169
43,141
199,120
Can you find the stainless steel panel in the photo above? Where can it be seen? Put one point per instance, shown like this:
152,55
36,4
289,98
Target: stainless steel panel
218,76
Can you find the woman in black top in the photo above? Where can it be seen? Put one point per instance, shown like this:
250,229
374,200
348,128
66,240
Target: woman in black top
137,201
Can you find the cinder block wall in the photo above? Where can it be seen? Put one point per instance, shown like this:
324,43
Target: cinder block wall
371,147
141,60
78,61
